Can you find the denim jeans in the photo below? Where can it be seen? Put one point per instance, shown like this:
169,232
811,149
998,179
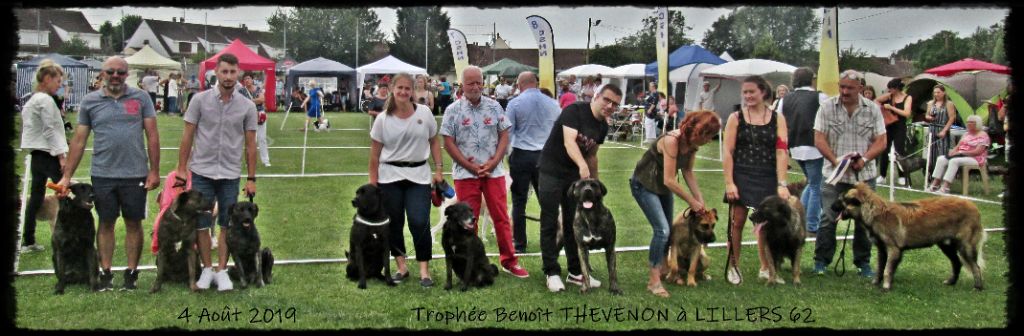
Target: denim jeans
811,197
405,198
658,210
522,166
224,192
825,244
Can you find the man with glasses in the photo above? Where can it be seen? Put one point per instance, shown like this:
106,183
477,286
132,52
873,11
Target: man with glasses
568,155
532,114
476,136
845,125
119,115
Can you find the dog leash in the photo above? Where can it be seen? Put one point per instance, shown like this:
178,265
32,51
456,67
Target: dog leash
728,237
842,251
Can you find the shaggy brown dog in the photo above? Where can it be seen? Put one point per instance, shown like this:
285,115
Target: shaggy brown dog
690,232
952,223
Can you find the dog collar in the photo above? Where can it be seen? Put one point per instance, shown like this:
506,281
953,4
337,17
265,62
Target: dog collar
366,222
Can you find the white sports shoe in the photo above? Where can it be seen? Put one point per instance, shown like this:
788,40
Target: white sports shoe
763,274
205,278
880,180
223,281
555,284
734,276
578,280
901,181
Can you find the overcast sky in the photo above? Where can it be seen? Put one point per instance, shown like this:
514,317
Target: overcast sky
878,31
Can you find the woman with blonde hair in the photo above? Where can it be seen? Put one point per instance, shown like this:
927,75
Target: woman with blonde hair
424,96
42,134
403,136
654,183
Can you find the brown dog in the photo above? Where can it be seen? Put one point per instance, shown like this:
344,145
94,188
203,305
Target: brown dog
784,230
952,223
690,232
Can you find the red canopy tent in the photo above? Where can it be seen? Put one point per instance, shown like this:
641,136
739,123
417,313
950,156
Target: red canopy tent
967,64
247,61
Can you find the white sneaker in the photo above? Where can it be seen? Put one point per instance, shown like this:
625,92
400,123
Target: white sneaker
205,278
578,280
763,274
555,284
223,281
880,180
901,181
266,164
734,276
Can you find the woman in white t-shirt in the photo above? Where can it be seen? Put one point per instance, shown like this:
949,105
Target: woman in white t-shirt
403,136
172,93
42,135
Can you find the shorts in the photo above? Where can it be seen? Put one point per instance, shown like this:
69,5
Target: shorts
126,196
314,111
224,192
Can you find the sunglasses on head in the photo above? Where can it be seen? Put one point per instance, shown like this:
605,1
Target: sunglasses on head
120,72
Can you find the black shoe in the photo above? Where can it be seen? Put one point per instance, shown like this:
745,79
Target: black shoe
520,250
130,276
106,280
426,282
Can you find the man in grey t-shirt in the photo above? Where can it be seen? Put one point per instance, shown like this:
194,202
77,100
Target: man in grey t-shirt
118,114
219,122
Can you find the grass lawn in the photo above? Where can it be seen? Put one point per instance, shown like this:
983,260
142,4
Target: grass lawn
309,218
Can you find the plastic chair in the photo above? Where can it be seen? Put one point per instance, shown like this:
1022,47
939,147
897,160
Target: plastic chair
966,176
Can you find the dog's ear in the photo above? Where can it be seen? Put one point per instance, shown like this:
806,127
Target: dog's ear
448,211
604,190
714,212
687,213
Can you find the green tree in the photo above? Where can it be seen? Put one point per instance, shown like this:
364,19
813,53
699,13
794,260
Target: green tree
106,34
789,30
641,44
943,47
719,38
407,40
613,55
74,47
110,34
328,33
857,59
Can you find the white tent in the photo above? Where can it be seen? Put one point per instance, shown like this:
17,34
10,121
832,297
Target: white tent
386,65
689,74
635,70
727,57
730,74
879,82
586,70
147,58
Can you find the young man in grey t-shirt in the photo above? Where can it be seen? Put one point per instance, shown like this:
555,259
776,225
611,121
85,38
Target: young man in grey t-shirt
118,114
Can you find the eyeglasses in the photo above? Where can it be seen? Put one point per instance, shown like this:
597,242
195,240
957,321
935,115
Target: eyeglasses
120,72
850,75
607,100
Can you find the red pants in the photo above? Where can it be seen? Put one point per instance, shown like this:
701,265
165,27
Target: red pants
495,193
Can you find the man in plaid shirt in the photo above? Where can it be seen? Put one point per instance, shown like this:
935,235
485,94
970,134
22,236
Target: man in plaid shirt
846,124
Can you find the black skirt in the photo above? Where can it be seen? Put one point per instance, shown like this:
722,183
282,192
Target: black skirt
754,184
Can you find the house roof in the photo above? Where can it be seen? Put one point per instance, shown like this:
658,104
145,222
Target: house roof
215,34
73,21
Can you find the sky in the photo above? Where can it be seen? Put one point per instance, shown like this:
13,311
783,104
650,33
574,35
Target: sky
878,31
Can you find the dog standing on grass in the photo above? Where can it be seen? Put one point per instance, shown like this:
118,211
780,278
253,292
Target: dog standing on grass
464,251
784,228
74,240
952,223
594,228
368,238
691,231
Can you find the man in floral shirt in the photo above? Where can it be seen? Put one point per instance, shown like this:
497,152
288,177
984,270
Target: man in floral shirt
476,136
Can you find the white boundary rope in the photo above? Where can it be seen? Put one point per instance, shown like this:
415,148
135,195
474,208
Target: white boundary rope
441,256
24,209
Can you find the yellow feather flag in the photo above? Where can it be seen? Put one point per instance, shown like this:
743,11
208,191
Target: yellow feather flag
545,50
662,51
459,53
828,55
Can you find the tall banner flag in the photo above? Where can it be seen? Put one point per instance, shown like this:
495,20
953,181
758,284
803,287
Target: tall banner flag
545,50
828,55
662,45
459,52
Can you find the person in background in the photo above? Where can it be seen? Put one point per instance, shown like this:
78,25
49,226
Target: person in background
567,96
193,88
422,94
651,112
780,92
250,90
672,113
941,115
444,96
314,102
800,108
502,93
971,151
707,97
42,134
754,162
150,83
377,103
896,109
587,90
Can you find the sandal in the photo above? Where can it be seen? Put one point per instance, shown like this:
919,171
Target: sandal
658,290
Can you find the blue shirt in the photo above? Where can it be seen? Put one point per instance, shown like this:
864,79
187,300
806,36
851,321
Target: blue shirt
532,115
447,89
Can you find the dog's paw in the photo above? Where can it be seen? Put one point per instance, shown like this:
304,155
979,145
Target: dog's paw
464,288
615,290
448,287
690,283
363,285
949,282
796,282
59,291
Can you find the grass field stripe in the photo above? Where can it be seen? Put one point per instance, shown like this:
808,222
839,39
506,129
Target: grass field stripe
441,256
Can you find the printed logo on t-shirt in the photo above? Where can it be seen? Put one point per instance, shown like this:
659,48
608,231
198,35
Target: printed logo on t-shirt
586,144
487,121
131,106
466,122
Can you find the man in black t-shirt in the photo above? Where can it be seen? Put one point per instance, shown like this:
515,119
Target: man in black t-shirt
570,154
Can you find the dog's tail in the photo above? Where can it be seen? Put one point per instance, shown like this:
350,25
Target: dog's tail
266,265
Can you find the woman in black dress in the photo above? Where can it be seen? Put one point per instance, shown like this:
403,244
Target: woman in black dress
754,162
896,103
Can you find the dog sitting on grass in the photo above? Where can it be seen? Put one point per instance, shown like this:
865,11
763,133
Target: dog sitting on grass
253,266
177,259
691,231
464,251
74,240
368,238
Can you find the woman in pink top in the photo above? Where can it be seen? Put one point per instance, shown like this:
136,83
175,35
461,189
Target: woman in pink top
567,96
970,151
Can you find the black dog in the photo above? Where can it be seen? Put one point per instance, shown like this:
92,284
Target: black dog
594,228
177,260
74,240
463,250
368,238
784,232
252,265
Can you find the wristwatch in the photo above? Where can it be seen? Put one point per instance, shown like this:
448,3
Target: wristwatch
251,178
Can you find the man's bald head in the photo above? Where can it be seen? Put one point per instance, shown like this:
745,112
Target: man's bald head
115,61
527,80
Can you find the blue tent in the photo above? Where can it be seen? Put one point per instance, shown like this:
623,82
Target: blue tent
691,54
76,74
